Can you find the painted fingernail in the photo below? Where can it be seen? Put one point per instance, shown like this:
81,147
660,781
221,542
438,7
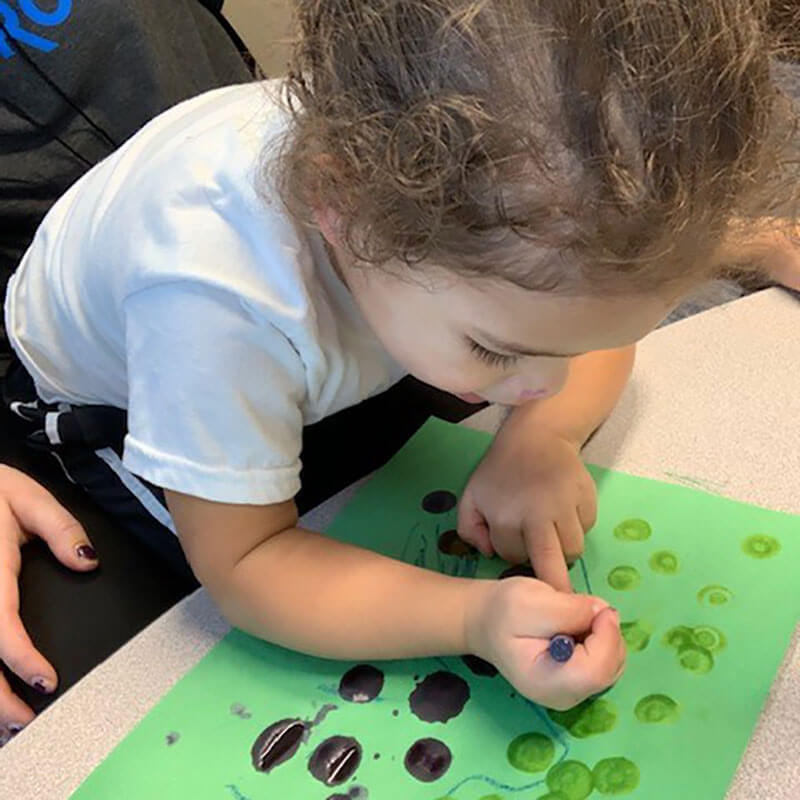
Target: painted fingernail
41,685
87,552
14,728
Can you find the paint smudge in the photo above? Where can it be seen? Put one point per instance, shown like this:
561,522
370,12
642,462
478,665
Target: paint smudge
714,595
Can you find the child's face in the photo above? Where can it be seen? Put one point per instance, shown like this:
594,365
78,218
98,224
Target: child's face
490,340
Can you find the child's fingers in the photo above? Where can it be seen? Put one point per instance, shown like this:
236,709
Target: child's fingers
40,514
539,612
14,714
570,534
546,555
599,661
472,527
587,512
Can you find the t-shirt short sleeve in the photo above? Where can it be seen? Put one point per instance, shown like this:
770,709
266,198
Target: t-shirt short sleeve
215,396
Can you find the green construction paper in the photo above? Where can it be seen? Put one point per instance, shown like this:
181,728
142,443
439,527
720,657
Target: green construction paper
699,669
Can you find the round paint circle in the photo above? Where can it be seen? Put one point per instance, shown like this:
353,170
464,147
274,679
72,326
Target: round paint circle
633,530
761,546
572,778
709,638
696,659
335,760
664,562
428,759
439,697
439,501
714,595
615,776
624,578
636,635
361,684
656,709
531,752
451,544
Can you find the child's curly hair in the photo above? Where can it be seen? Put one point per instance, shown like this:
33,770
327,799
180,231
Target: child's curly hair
622,137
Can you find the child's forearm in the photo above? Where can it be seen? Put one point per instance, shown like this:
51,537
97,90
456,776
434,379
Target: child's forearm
314,594
594,385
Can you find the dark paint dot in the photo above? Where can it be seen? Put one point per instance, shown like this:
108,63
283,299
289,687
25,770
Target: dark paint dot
172,737
452,544
428,759
518,570
339,797
479,666
277,743
440,697
395,713
361,684
439,502
335,760
376,756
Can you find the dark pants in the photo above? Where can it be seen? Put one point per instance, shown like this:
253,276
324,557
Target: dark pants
77,620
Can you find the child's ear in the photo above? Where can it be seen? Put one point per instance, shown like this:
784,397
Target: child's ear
328,221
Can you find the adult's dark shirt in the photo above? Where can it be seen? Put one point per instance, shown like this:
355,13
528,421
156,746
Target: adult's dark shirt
77,78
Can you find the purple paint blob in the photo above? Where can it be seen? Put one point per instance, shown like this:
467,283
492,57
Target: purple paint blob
439,501
361,684
441,696
335,760
277,743
428,759
479,666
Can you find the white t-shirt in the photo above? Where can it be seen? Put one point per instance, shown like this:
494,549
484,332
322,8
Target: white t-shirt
171,282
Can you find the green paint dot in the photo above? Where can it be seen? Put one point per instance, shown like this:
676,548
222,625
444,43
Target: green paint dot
615,776
623,579
709,638
573,779
678,637
656,708
665,562
553,796
714,595
633,530
531,752
761,546
589,718
696,659
636,635
491,797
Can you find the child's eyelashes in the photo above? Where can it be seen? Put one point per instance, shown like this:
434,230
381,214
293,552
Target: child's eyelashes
490,357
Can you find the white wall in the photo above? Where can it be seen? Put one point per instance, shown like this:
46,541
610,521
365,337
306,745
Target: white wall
264,26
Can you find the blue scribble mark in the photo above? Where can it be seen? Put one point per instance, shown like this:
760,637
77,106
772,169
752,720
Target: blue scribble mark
235,793
11,27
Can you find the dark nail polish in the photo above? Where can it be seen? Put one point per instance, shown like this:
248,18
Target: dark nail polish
39,685
14,728
86,551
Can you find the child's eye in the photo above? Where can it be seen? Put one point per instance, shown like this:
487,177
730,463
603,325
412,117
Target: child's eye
490,357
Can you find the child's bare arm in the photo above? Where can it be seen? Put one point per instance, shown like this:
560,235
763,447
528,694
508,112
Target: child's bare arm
314,594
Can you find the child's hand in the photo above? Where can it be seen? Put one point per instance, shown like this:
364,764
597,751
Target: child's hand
28,510
530,498
512,625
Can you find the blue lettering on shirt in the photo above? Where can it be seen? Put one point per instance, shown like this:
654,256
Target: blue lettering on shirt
14,24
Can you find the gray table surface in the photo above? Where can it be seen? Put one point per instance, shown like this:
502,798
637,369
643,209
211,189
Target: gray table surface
714,403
